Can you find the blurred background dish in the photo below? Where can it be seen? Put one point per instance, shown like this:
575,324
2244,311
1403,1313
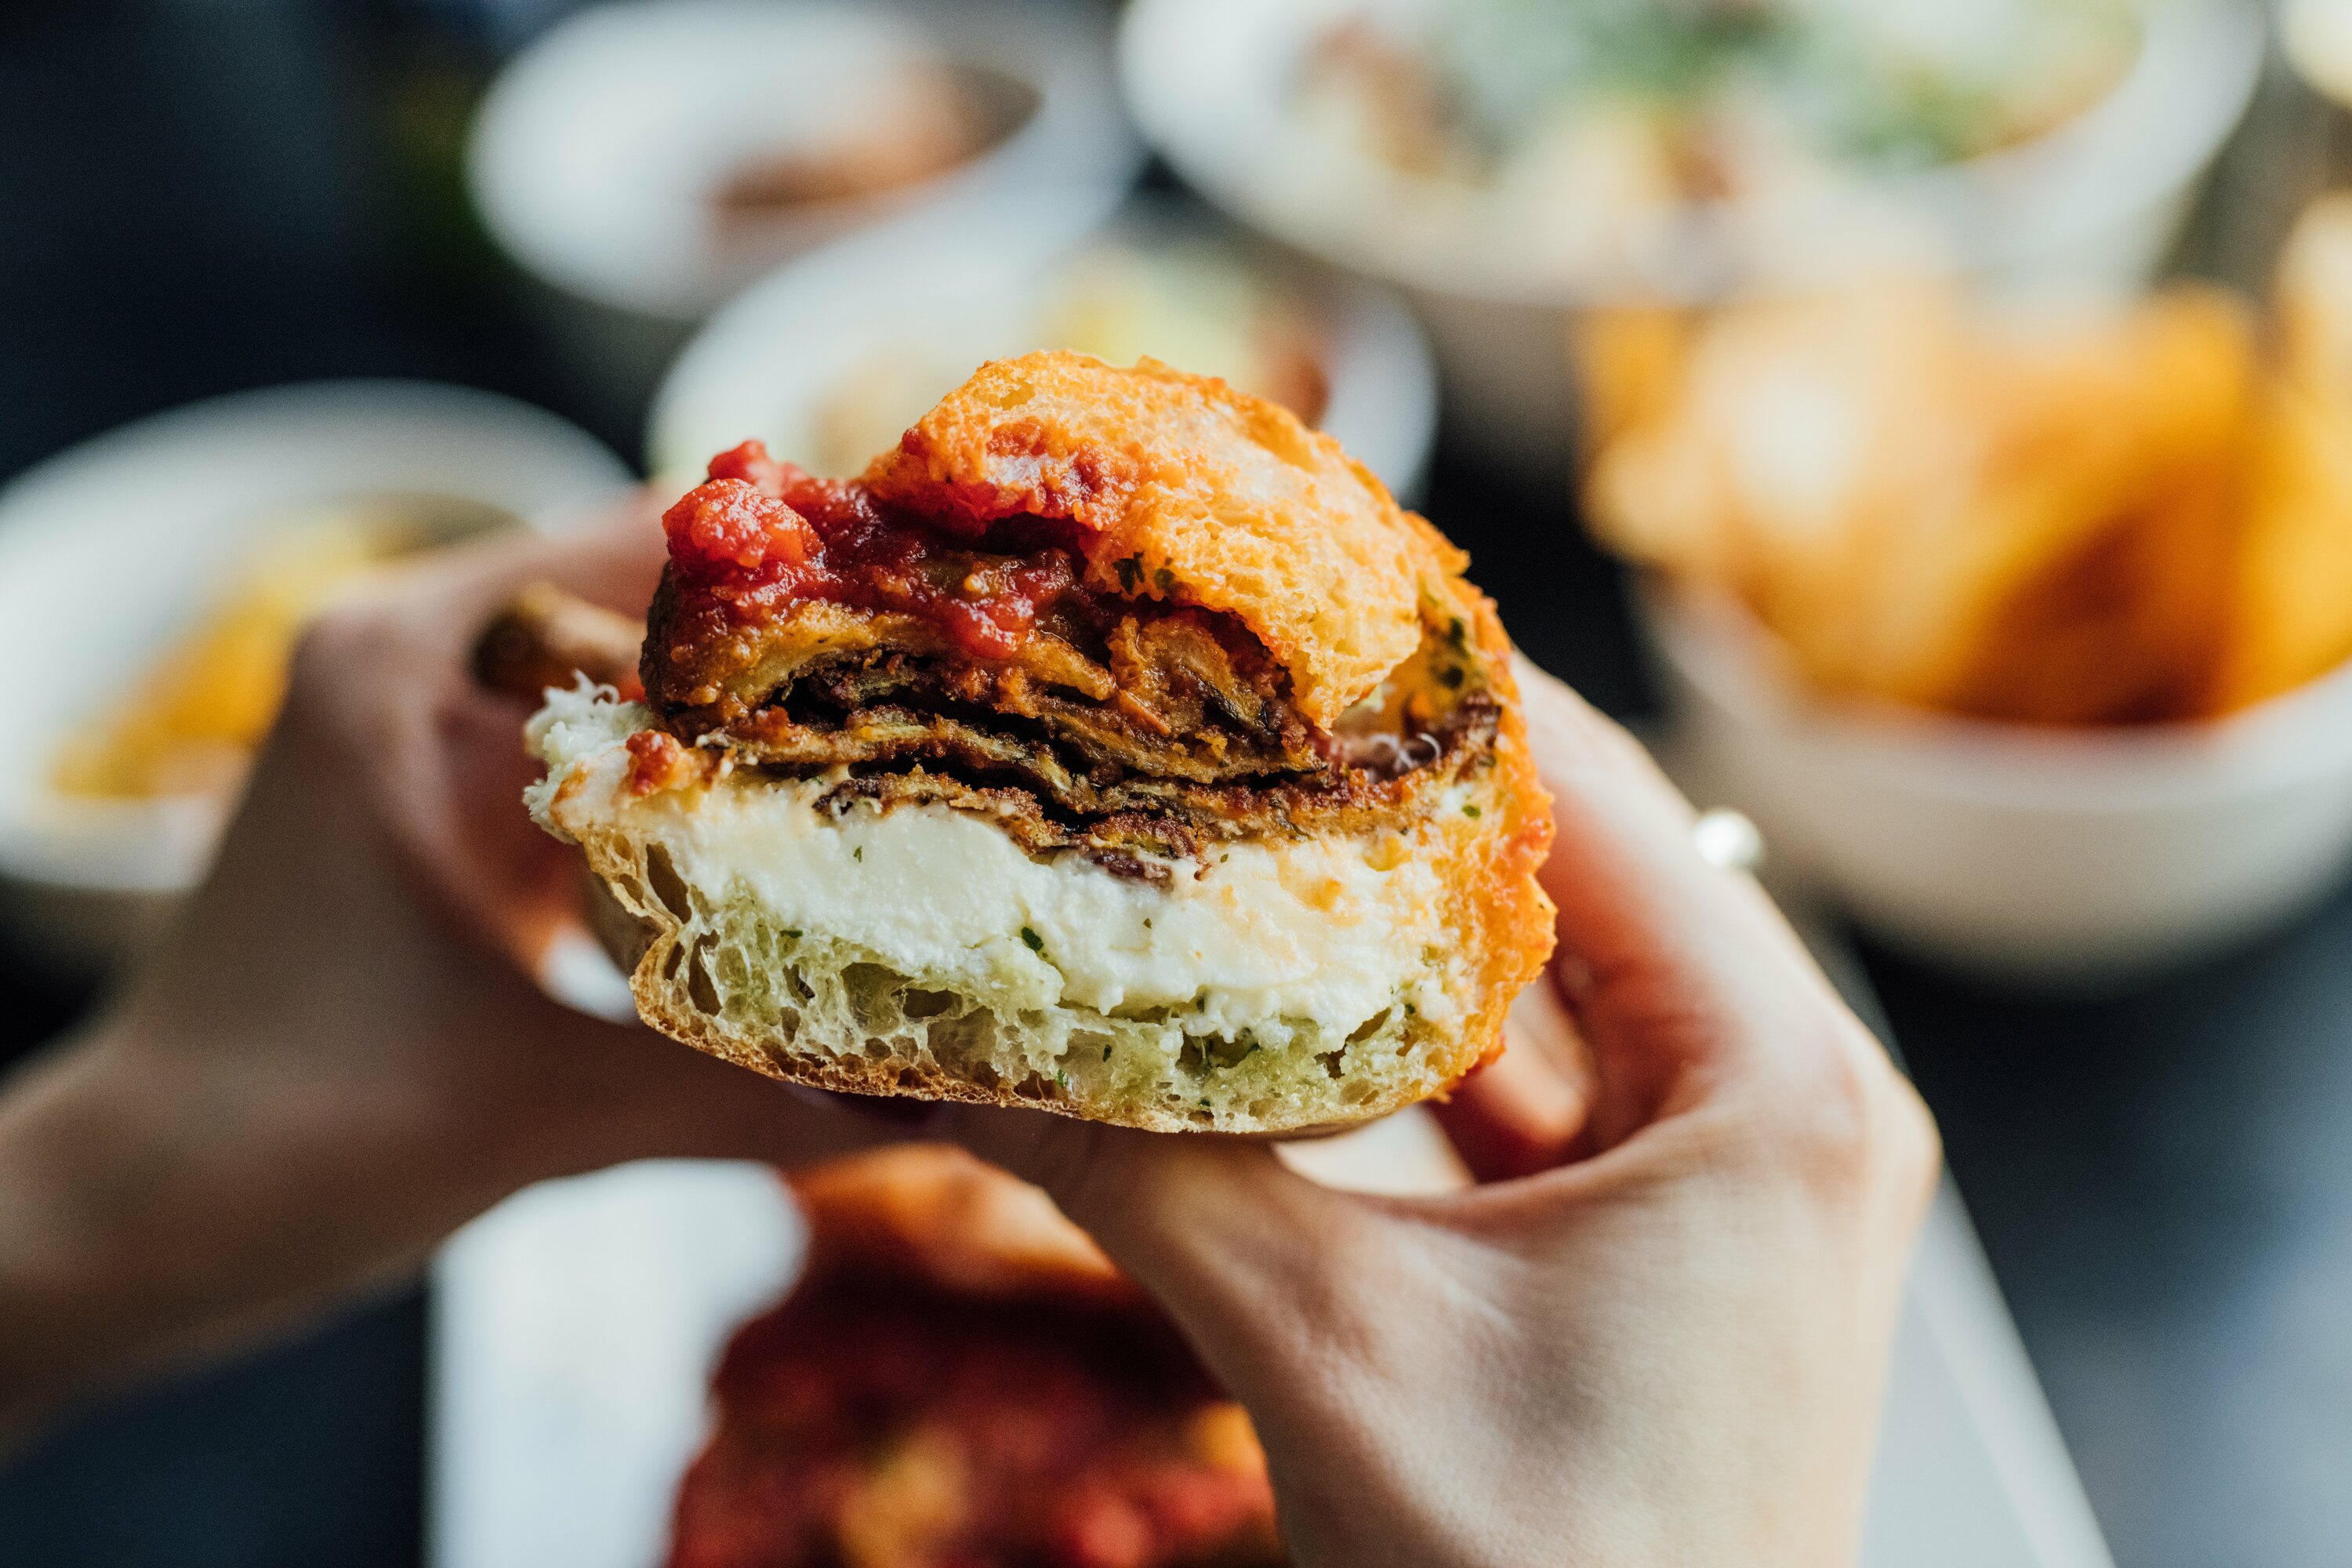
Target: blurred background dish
833,357
2317,38
2025,631
2070,860
643,161
153,581
1509,163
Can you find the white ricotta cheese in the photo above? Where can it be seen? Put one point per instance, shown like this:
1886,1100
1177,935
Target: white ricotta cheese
1252,931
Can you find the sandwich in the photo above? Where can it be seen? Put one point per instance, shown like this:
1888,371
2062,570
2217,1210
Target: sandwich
1114,745
960,1378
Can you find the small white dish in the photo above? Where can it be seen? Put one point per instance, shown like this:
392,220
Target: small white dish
110,551
2061,858
596,156
771,363
2095,203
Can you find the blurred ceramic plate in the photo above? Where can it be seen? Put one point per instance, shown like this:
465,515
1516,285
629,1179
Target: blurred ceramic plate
110,553
2068,857
654,157
2095,203
1213,84
828,359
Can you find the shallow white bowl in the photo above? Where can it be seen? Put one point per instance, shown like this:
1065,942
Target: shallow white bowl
593,156
110,551
765,365
2056,858
2095,202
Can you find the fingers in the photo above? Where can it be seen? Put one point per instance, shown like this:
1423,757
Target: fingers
384,686
1523,1112
614,561
1681,975
605,1094
1216,1227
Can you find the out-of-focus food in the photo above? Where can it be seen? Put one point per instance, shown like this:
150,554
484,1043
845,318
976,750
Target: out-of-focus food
171,516
1597,204
2018,520
916,119
193,724
1629,110
2317,38
961,1380
1197,304
2290,620
1115,746
2118,516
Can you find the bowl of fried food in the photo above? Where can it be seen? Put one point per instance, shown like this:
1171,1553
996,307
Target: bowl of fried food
2024,636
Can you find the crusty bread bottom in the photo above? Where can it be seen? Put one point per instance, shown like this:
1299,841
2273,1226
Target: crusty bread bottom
1278,987
726,978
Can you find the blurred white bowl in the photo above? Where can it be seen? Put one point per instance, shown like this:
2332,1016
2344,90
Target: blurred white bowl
2095,202
596,156
110,551
2056,858
769,364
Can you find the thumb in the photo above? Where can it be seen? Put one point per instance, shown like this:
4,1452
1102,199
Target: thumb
1216,1228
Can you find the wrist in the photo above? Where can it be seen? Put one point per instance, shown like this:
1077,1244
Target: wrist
163,1205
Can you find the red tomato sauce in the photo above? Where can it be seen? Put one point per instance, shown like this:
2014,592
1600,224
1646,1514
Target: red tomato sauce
760,537
882,1423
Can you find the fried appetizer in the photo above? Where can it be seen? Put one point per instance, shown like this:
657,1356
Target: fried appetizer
1115,744
960,1380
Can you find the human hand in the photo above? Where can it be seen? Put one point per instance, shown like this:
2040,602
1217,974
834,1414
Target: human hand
1660,1333
341,1055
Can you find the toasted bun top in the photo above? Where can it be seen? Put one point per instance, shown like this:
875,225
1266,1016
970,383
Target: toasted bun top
1188,489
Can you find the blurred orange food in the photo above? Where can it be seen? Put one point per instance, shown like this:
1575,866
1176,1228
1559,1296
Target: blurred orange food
2088,517
961,1381
191,725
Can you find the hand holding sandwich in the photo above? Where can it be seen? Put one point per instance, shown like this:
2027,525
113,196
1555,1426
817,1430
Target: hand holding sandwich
1112,648
1667,1348
341,1055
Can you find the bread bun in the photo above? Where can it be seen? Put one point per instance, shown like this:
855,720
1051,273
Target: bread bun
1239,836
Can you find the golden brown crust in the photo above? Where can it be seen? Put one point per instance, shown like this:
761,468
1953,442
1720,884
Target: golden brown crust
1502,910
1187,488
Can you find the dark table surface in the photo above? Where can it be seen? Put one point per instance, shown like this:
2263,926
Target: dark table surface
198,199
